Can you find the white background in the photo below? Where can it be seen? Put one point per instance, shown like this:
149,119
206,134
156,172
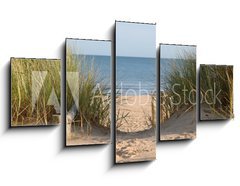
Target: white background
35,156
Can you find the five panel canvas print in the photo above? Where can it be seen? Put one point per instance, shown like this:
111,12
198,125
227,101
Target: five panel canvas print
88,91
177,92
216,92
135,94
35,92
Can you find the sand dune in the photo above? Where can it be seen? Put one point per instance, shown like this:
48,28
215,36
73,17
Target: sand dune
78,136
181,125
135,137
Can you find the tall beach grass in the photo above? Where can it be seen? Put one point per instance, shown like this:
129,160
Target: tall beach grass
179,87
23,111
94,104
215,78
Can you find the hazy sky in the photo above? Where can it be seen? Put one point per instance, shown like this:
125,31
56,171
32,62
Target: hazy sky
136,40
89,47
173,51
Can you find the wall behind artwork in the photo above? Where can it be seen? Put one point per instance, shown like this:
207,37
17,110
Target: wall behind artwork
38,29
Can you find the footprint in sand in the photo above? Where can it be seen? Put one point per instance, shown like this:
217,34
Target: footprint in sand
124,154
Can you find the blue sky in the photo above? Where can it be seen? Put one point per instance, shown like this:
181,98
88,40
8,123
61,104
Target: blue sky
135,40
173,51
89,47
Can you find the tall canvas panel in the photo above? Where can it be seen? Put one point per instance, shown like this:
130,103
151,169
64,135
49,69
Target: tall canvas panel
135,92
177,92
216,92
35,92
88,92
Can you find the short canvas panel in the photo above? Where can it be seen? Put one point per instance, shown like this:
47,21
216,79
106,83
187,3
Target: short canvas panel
216,92
35,92
88,92
135,93
177,92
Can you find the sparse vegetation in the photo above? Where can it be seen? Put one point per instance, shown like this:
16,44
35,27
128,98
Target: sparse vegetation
216,79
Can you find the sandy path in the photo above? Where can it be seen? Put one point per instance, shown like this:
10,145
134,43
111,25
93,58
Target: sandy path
139,109
136,146
135,138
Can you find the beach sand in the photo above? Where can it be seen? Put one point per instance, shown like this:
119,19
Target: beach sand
135,137
181,125
99,135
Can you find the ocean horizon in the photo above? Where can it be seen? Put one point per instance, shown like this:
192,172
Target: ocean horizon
135,75
102,68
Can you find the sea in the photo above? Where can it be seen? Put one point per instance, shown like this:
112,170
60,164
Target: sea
135,75
102,68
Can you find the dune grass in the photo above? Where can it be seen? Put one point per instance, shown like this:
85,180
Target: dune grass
93,99
215,78
151,116
179,88
153,110
22,91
